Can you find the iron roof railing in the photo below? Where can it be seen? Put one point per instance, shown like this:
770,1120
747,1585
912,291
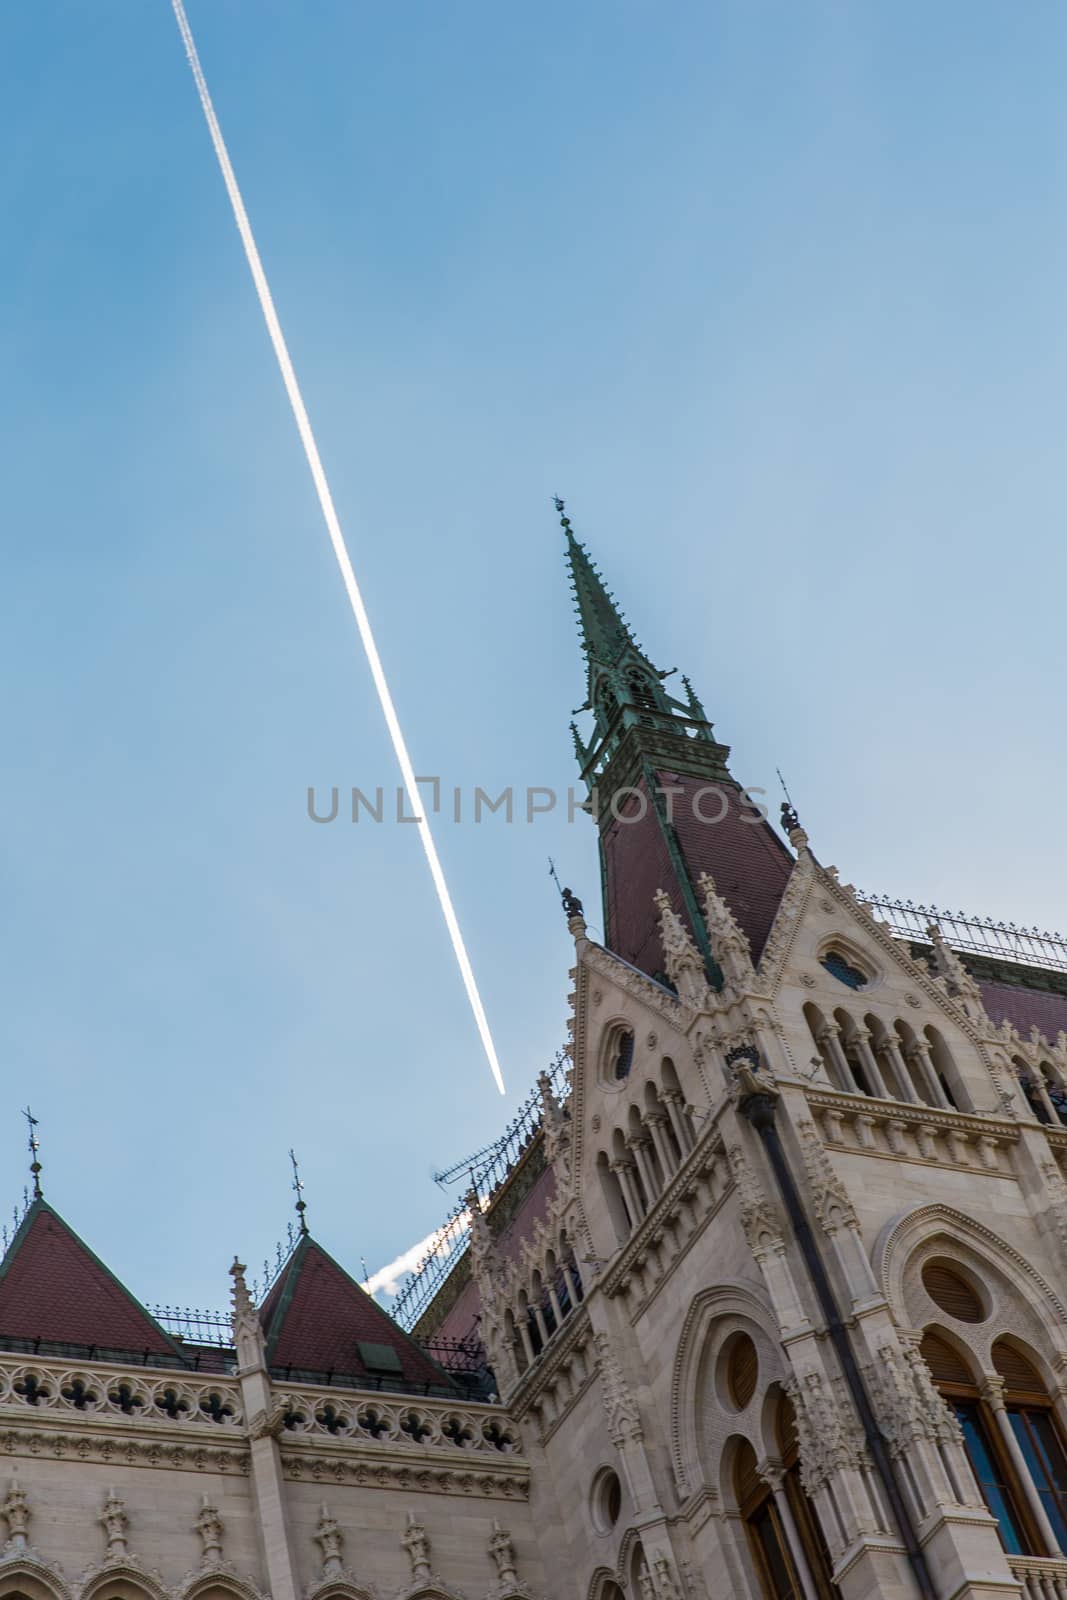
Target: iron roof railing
488,1169
1004,941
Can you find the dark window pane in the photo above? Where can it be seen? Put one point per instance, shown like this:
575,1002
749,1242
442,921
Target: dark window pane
995,1491
1041,1447
765,1527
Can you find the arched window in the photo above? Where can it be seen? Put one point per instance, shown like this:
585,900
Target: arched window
853,1055
763,1526
990,1461
945,1068
618,1210
1029,1411
818,1027
838,965
805,1516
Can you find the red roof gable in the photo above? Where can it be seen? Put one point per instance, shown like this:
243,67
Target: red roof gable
750,865
316,1317
54,1289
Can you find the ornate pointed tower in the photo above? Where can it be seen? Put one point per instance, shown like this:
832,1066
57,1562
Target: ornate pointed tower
666,804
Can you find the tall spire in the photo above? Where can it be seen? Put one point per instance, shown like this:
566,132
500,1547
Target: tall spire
605,634
664,800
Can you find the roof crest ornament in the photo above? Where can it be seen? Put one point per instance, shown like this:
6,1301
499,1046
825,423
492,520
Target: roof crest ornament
34,1145
301,1203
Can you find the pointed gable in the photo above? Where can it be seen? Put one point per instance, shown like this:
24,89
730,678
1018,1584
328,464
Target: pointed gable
318,1319
55,1290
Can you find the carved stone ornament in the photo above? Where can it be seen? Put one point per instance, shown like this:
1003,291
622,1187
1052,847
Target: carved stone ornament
731,948
417,1546
502,1552
830,1199
330,1539
664,1581
116,1523
908,1406
758,1217
17,1512
209,1527
681,958
828,1434
620,1407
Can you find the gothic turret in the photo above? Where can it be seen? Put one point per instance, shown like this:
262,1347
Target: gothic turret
666,804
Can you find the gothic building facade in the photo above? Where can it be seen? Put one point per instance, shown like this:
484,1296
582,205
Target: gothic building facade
772,1304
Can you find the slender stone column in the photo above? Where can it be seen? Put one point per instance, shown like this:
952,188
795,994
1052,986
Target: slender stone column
889,1054
639,1152
622,1171
920,1054
657,1123
862,1040
524,1335
830,1036
682,1130
772,1475
993,1394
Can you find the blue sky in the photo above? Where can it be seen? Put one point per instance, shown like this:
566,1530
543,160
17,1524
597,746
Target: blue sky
772,294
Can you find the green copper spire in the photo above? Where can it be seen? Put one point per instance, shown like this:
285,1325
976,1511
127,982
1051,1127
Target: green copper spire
605,634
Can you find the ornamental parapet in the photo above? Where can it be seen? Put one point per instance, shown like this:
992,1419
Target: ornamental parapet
899,1130
304,1412
44,1390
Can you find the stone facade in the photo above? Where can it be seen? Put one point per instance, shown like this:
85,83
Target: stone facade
793,1235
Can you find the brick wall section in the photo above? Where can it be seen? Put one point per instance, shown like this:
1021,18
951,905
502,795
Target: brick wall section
1025,1008
748,861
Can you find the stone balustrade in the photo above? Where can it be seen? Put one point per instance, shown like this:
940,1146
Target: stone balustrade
914,1132
1042,1577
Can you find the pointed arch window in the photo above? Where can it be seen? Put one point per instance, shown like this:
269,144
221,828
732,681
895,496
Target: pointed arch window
1030,1414
763,1526
992,1467
837,964
805,1516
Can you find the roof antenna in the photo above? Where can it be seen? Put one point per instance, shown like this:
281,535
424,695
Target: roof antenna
34,1146
301,1203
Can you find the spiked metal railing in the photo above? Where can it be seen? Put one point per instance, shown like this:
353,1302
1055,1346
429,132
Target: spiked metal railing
1003,941
486,1170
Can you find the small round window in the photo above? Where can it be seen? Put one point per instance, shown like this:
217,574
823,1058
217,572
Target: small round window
952,1292
619,1054
837,964
739,1370
606,1500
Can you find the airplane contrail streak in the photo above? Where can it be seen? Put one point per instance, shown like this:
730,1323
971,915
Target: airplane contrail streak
337,540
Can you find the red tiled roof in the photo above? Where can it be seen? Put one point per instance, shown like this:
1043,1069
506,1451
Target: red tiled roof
1025,1008
316,1316
748,861
54,1289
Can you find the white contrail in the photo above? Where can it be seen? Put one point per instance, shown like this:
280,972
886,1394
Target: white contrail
437,1243
337,539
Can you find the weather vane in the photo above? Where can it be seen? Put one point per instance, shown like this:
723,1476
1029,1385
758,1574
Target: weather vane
298,1190
34,1146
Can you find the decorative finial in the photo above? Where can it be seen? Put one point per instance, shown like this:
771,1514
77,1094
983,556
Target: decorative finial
301,1203
564,520
790,821
34,1146
573,909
